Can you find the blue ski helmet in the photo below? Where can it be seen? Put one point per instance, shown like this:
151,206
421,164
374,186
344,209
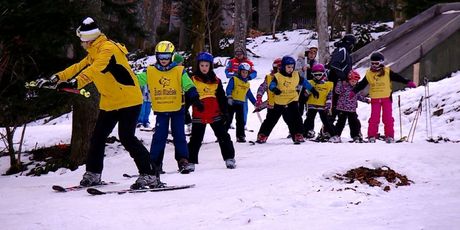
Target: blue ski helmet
287,60
205,56
244,66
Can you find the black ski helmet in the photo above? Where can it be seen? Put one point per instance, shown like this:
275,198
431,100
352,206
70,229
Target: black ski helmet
377,56
349,38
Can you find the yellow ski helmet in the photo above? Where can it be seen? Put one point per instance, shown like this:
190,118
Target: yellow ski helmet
164,47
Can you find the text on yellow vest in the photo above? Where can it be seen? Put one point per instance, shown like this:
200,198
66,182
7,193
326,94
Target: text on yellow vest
379,86
288,86
240,89
165,88
205,90
323,90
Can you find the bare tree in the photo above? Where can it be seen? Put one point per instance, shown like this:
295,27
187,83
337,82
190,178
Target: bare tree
321,25
399,16
264,15
278,12
240,24
158,5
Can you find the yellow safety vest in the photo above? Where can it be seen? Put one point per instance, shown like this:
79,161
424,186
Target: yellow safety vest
379,86
323,90
240,89
270,94
288,86
205,90
165,88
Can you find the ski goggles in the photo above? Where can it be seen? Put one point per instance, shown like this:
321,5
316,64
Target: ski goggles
164,56
317,74
376,63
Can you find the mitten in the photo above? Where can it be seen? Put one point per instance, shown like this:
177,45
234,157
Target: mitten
411,84
44,82
276,91
314,92
230,100
72,84
258,101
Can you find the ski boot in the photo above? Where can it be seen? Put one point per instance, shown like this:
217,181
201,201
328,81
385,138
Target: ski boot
91,179
389,140
230,163
310,134
147,181
298,138
241,139
335,139
183,166
261,138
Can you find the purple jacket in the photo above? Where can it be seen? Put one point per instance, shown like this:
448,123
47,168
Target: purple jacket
348,100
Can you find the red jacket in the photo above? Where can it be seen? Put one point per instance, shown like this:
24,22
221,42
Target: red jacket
215,108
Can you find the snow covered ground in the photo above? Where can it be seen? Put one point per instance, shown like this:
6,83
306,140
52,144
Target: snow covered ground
277,185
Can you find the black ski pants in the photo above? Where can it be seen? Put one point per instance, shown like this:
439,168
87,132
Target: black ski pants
353,122
309,123
292,118
220,131
236,110
126,119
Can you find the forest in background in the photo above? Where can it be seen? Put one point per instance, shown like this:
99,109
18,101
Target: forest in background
38,39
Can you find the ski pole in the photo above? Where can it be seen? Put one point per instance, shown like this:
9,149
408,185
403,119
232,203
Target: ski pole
411,130
400,121
429,128
419,111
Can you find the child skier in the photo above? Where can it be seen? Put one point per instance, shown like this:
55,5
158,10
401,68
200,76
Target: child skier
379,79
283,86
167,82
143,120
212,95
238,91
321,104
346,106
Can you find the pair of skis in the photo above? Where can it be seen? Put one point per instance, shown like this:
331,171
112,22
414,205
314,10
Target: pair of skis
94,190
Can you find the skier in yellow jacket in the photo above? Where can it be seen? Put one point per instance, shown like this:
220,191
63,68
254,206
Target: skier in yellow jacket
107,67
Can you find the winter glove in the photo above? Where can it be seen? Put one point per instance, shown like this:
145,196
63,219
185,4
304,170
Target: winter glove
72,84
314,92
46,83
411,84
276,91
230,101
198,104
259,101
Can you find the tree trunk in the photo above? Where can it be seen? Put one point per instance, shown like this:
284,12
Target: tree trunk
264,15
85,112
399,16
321,25
348,14
158,8
147,21
216,25
227,15
198,28
248,9
278,12
240,25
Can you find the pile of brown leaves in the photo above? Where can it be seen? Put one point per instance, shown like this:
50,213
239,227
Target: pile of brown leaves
368,176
